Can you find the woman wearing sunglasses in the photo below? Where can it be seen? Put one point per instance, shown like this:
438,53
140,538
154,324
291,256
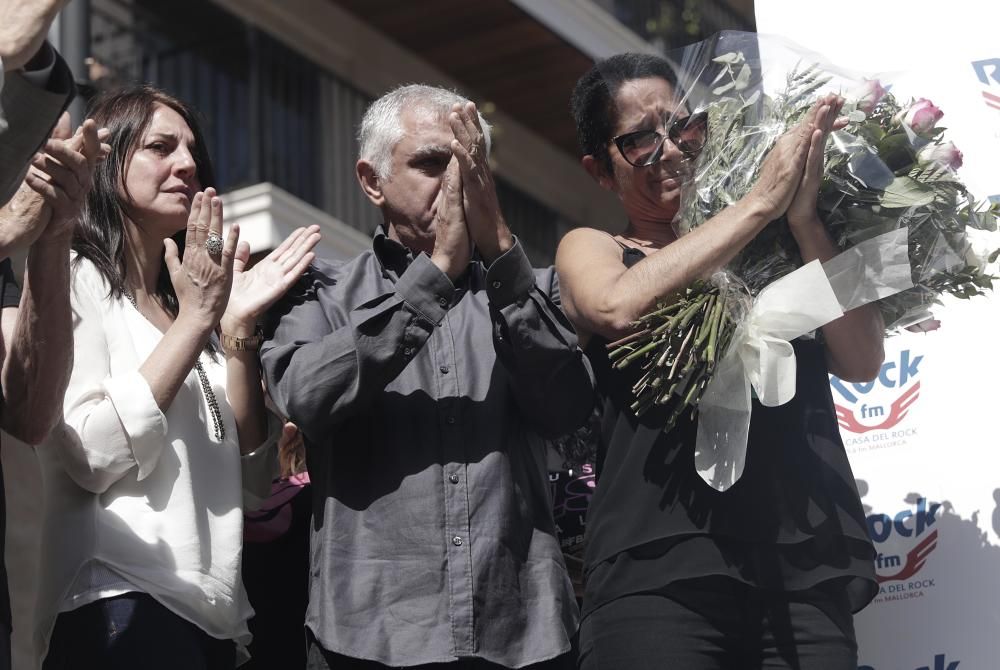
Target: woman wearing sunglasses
678,575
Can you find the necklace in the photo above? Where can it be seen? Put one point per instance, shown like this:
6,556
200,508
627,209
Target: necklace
206,386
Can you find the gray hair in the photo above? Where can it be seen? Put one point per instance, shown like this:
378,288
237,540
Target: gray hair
381,129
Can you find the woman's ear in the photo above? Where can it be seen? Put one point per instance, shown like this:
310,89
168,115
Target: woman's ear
370,183
596,170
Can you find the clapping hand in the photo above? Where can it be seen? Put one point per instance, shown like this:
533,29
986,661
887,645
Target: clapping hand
256,289
487,227
802,210
203,280
452,248
781,171
63,176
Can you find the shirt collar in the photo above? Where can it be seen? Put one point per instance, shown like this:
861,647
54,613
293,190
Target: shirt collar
395,258
392,256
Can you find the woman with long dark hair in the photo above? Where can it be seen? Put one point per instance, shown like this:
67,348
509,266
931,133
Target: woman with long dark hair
143,484
679,575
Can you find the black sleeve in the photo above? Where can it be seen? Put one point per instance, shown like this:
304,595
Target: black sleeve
10,292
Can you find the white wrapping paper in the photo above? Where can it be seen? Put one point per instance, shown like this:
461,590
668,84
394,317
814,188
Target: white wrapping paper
761,354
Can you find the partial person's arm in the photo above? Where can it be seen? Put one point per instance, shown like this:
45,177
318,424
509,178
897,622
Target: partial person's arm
39,346
550,377
602,296
22,220
38,350
254,291
112,421
324,363
30,101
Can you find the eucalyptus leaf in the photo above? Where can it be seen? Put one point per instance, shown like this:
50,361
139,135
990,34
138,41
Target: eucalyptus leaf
907,192
743,78
752,100
731,58
722,89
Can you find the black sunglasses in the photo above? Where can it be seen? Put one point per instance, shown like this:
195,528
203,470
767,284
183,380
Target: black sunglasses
644,147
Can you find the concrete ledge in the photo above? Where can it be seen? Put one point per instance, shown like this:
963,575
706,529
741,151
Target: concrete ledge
268,214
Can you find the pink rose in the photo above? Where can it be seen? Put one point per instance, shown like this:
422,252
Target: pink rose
940,154
868,94
921,116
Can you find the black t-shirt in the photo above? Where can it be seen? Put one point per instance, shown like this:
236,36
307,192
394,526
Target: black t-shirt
793,521
10,296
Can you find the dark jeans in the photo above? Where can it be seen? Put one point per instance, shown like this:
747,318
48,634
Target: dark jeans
133,631
721,624
319,658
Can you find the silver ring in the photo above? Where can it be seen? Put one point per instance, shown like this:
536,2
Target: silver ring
213,245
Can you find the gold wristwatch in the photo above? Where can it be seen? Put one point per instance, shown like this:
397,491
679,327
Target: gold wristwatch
232,344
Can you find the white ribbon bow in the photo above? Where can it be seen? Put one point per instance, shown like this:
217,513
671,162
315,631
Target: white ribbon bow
761,353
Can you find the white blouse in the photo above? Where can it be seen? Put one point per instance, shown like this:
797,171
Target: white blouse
137,499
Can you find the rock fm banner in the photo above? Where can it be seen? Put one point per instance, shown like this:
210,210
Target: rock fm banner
923,437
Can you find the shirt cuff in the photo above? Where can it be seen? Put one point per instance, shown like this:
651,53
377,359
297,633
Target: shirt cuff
39,70
145,425
260,466
426,289
510,277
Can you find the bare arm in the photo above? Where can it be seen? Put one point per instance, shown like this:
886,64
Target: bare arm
602,296
202,285
39,343
40,351
22,220
254,291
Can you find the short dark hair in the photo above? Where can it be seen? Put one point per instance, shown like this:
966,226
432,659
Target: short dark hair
100,234
593,99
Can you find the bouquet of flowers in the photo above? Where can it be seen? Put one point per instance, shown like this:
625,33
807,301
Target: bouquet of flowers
890,197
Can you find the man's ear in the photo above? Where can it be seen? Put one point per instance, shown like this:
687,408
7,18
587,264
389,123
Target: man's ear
597,172
370,182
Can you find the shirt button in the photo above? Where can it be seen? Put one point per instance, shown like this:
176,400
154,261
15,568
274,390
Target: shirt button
443,301
453,479
457,541
497,284
451,421
408,351
444,369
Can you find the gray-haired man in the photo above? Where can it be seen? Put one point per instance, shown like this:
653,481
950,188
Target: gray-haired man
422,374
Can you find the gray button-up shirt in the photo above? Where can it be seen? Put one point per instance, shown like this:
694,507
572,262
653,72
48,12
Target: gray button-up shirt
423,405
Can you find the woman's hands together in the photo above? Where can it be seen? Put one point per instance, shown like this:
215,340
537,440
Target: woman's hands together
802,209
792,171
256,289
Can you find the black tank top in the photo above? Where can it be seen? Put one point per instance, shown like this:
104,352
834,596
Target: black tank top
792,521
